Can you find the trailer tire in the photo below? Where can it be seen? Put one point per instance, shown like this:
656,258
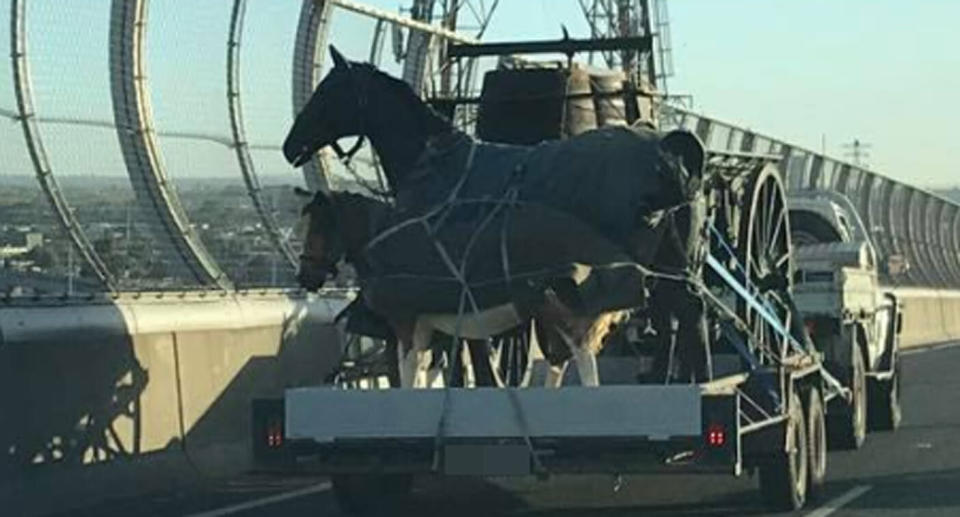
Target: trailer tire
366,494
848,429
784,476
816,442
884,411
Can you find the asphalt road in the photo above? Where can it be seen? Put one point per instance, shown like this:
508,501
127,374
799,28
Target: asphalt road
914,471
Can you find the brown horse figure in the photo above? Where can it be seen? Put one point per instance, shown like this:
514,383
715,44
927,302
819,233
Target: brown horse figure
341,226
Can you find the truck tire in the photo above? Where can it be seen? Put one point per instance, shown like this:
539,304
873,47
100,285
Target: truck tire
884,411
848,429
783,476
816,442
371,494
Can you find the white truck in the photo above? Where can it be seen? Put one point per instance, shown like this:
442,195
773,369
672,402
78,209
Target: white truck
853,319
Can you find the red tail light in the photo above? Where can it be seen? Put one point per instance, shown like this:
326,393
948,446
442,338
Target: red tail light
716,435
275,435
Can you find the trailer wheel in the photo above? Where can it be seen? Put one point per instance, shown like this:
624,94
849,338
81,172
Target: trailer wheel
816,442
783,477
365,494
884,408
848,429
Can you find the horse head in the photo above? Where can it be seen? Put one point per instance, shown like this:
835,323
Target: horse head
338,225
335,110
356,99
689,157
323,245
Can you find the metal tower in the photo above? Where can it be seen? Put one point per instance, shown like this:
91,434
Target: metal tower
621,18
426,63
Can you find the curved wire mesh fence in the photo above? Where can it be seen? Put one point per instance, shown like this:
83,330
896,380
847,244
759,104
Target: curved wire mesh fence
140,143
905,222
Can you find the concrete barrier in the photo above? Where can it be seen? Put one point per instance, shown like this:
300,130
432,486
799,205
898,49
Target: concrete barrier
929,316
118,397
115,398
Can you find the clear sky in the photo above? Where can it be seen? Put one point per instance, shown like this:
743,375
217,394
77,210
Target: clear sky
886,72
882,71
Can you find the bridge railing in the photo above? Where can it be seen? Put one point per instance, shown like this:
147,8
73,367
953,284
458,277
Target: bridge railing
122,109
903,220
146,94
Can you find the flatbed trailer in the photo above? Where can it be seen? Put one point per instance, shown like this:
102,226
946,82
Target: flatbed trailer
715,427
372,441
767,416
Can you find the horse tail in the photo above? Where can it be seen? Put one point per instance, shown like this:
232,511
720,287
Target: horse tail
601,327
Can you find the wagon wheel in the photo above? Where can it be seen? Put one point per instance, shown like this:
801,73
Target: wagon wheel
765,254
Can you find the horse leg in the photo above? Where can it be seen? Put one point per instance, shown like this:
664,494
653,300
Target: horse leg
555,375
392,354
422,355
413,356
582,356
586,366
431,367
406,358
590,342
479,354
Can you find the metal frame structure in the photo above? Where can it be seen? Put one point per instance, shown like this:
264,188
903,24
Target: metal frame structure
134,121
308,55
34,143
239,135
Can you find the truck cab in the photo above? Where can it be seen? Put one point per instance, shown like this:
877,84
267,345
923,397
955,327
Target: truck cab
851,317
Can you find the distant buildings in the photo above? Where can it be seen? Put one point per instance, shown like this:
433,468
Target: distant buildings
30,239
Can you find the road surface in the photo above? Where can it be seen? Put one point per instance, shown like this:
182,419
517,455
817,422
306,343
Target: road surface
914,471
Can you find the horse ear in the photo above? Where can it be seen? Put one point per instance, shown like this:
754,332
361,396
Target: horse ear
688,148
338,60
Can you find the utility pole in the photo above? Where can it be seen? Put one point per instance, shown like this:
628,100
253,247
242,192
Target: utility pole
70,271
858,152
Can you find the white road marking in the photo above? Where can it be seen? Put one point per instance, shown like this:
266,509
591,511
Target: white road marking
264,501
838,502
920,350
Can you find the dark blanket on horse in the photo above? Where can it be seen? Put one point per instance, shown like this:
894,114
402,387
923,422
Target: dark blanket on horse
512,258
613,179
591,200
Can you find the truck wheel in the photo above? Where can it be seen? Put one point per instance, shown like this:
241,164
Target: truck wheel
816,442
783,477
885,411
365,494
848,429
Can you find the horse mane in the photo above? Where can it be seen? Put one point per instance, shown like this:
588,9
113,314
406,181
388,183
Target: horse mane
434,122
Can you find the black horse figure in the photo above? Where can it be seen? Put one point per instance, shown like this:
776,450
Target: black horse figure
622,182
